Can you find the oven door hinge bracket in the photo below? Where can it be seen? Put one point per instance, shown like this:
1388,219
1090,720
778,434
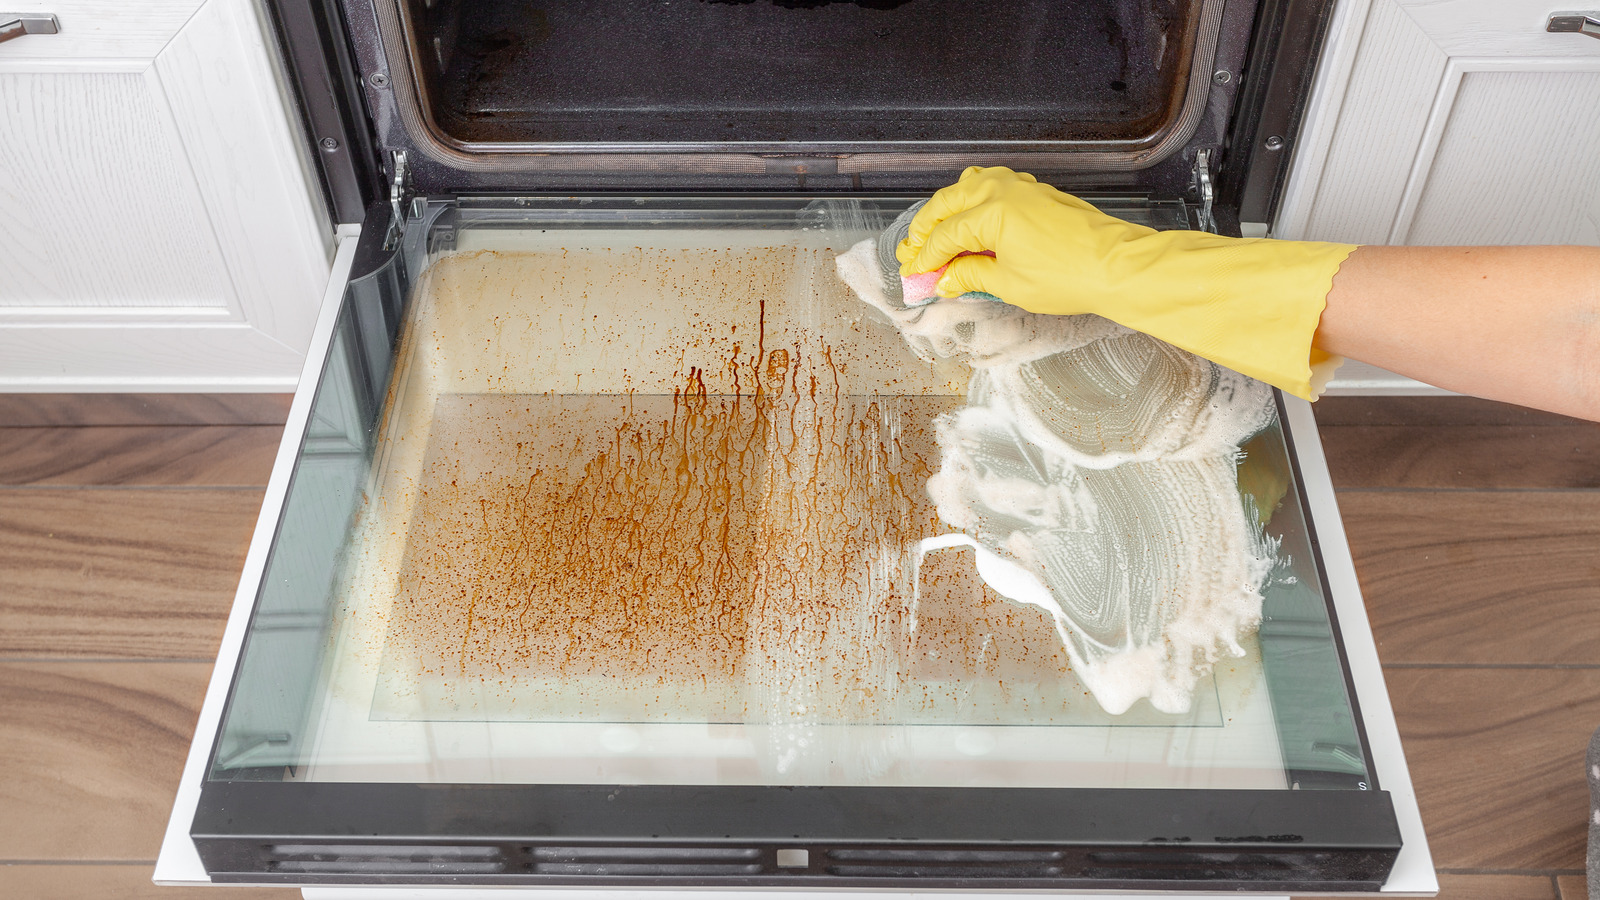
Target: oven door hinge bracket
399,183
1206,221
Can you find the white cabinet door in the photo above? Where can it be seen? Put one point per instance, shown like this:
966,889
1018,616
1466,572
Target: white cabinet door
1448,122
159,228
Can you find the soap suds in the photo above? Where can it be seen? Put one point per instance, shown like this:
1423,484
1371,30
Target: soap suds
1094,473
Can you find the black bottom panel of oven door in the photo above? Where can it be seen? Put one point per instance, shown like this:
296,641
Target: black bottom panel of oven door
815,837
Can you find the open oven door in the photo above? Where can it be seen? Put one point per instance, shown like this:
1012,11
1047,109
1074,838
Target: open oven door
360,729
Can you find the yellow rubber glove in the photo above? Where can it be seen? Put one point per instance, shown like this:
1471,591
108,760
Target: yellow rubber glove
1249,304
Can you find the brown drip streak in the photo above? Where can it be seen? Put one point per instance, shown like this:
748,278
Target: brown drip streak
753,545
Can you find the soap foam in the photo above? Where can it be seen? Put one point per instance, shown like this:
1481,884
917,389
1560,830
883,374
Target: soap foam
1094,472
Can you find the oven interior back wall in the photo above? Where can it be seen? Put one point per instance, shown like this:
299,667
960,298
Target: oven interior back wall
716,71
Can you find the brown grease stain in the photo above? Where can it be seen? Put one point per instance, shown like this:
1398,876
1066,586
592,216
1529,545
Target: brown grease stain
660,538
756,542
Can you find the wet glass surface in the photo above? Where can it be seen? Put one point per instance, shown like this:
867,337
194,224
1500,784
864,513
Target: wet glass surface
640,494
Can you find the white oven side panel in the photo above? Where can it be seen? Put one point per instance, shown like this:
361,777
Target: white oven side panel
179,862
1413,873
163,230
1446,122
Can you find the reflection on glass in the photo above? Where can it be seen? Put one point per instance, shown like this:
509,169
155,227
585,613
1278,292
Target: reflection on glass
265,728
652,505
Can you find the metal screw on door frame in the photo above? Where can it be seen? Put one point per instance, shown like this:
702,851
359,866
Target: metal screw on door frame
379,80
1275,142
330,144
1222,76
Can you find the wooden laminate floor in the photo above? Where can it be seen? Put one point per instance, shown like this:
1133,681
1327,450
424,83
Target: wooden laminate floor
124,521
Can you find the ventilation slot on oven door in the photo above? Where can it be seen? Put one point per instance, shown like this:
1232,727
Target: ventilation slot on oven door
646,861
384,859
1189,865
931,863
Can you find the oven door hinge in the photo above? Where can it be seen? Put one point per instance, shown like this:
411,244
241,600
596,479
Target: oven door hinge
1205,220
399,182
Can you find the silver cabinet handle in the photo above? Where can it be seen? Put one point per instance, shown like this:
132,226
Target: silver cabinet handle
1582,23
17,26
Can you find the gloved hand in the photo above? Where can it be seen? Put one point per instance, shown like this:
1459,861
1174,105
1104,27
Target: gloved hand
1249,304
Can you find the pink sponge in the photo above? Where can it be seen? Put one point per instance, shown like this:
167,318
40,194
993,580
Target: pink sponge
924,288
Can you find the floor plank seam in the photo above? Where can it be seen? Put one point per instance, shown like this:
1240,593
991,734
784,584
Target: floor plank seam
133,487
77,862
184,660
1466,665
1339,489
1551,873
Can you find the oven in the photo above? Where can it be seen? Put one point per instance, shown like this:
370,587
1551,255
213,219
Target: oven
623,537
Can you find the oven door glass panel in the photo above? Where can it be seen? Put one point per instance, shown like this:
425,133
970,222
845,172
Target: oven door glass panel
616,499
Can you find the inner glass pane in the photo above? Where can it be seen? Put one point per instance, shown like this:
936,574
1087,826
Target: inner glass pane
655,498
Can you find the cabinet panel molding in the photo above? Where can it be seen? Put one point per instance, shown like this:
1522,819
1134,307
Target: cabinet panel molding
100,29
1379,127
103,211
1382,105
230,109
170,233
1509,28
1506,160
153,358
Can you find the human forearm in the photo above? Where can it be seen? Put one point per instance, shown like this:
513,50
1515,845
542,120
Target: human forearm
1519,324
1249,304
